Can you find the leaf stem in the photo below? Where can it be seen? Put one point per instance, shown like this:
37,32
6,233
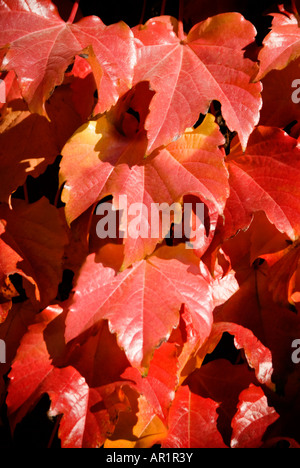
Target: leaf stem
54,431
180,21
295,11
73,12
163,7
143,12
294,8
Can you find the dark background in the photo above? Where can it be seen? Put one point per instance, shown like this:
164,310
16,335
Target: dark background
130,11
133,11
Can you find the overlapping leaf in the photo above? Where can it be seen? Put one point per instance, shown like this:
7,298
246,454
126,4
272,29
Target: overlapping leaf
193,422
72,396
32,245
284,275
136,304
281,45
45,46
222,382
265,178
159,386
258,356
98,162
252,419
12,330
206,64
281,96
154,344
253,307
31,141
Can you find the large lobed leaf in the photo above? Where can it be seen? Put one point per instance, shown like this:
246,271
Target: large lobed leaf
131,358
142,303
188,72
98,161
43,48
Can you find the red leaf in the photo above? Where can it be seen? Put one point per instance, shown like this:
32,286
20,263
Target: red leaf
193,422
9,90
33,142
142,303
258,356
281,97
281,45
113,165
193,164
86,420
206,65
252,307
265,178
284,274
28,234
253,418
31,360
222,382
7,292
13,329
138,353
83,86
41,50
158,387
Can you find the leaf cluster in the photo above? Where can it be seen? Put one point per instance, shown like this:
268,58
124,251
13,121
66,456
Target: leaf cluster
137,342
